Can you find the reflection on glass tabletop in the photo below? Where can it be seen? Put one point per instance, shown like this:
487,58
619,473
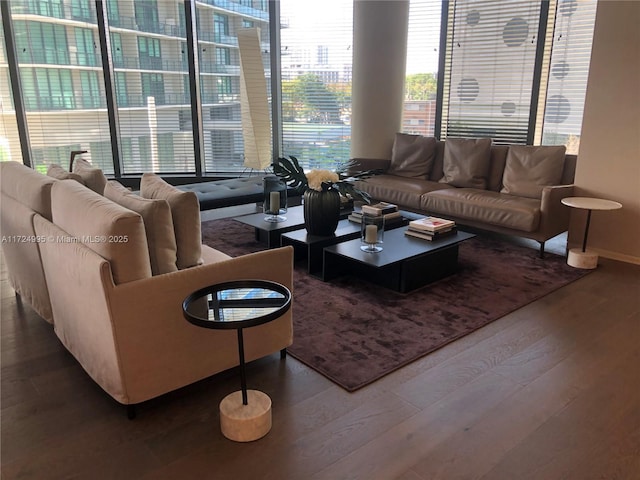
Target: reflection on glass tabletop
237,304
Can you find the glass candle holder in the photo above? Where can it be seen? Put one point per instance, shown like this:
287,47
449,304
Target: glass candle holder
275,199
371,233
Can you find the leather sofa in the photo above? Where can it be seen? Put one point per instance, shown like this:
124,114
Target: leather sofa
514,190
113,293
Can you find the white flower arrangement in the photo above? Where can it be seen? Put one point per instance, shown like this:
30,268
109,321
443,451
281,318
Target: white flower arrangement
315,178
289,169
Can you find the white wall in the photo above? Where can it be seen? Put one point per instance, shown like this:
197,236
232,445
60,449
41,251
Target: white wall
609,158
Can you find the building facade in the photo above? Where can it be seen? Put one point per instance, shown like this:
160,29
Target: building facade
62,79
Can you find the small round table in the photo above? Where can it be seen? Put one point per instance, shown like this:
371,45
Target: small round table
581,258
245,415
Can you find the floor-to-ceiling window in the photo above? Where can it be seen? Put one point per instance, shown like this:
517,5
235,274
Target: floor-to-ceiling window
423,54
489,70
489,86
59,62
10,149
219,59
316,80
152,88
567,74
501,80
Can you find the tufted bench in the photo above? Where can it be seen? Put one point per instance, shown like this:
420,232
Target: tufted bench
230,192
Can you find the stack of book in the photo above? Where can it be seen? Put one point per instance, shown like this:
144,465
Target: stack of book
431,228
387,210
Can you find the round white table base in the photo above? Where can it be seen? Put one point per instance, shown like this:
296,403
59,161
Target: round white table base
245,423
579,259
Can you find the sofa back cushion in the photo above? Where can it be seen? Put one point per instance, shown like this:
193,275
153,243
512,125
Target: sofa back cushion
412,156
185,212
496,166
466,162
112,231
438,162
92,177
27,186
59,173
530,168
158,225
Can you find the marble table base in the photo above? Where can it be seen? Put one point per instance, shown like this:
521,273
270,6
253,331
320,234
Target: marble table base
245,423
579,259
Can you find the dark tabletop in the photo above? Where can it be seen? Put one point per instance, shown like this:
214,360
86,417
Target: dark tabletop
237,304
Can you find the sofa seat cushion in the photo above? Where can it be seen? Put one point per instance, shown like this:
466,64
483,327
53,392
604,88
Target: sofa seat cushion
402,191
185,212
485,206
112,231
158,225
211,255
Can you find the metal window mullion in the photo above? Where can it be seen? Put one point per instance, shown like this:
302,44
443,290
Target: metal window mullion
16,84
276,79
537,71
194,86
441,66
109,86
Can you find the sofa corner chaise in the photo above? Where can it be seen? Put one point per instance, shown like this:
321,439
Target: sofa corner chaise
110,272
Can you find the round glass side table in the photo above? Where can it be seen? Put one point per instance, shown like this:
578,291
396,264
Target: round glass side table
583,258
245,415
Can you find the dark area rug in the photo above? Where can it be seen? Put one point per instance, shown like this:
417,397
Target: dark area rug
354,332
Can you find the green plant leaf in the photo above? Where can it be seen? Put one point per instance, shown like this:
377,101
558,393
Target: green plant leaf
291,172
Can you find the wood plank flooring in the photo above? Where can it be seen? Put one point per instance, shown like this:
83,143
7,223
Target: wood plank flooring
551,391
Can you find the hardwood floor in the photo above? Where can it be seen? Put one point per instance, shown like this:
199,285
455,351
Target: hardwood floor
550,391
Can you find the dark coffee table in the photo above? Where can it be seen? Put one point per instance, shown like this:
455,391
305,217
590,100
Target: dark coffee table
405,263
311,246
270,232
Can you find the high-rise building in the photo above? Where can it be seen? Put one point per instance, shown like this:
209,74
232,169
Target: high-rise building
61,73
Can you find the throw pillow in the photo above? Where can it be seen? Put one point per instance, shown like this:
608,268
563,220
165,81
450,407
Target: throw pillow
530,168
92,176
59,173
185,212
84,215
412,156
158,225
466,162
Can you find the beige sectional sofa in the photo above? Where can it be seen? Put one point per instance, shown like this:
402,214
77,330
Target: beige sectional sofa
119,315
515,190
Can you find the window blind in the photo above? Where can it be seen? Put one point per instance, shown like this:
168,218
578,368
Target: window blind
316,53
62,84
152,85
10,148
489,69
423,50
219,58
571,40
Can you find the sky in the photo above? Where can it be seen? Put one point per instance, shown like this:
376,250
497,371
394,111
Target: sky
329,23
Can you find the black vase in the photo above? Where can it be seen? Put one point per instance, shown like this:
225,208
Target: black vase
321,211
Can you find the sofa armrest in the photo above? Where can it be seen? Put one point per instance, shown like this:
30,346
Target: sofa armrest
363,164
554,216
132,338
153,336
